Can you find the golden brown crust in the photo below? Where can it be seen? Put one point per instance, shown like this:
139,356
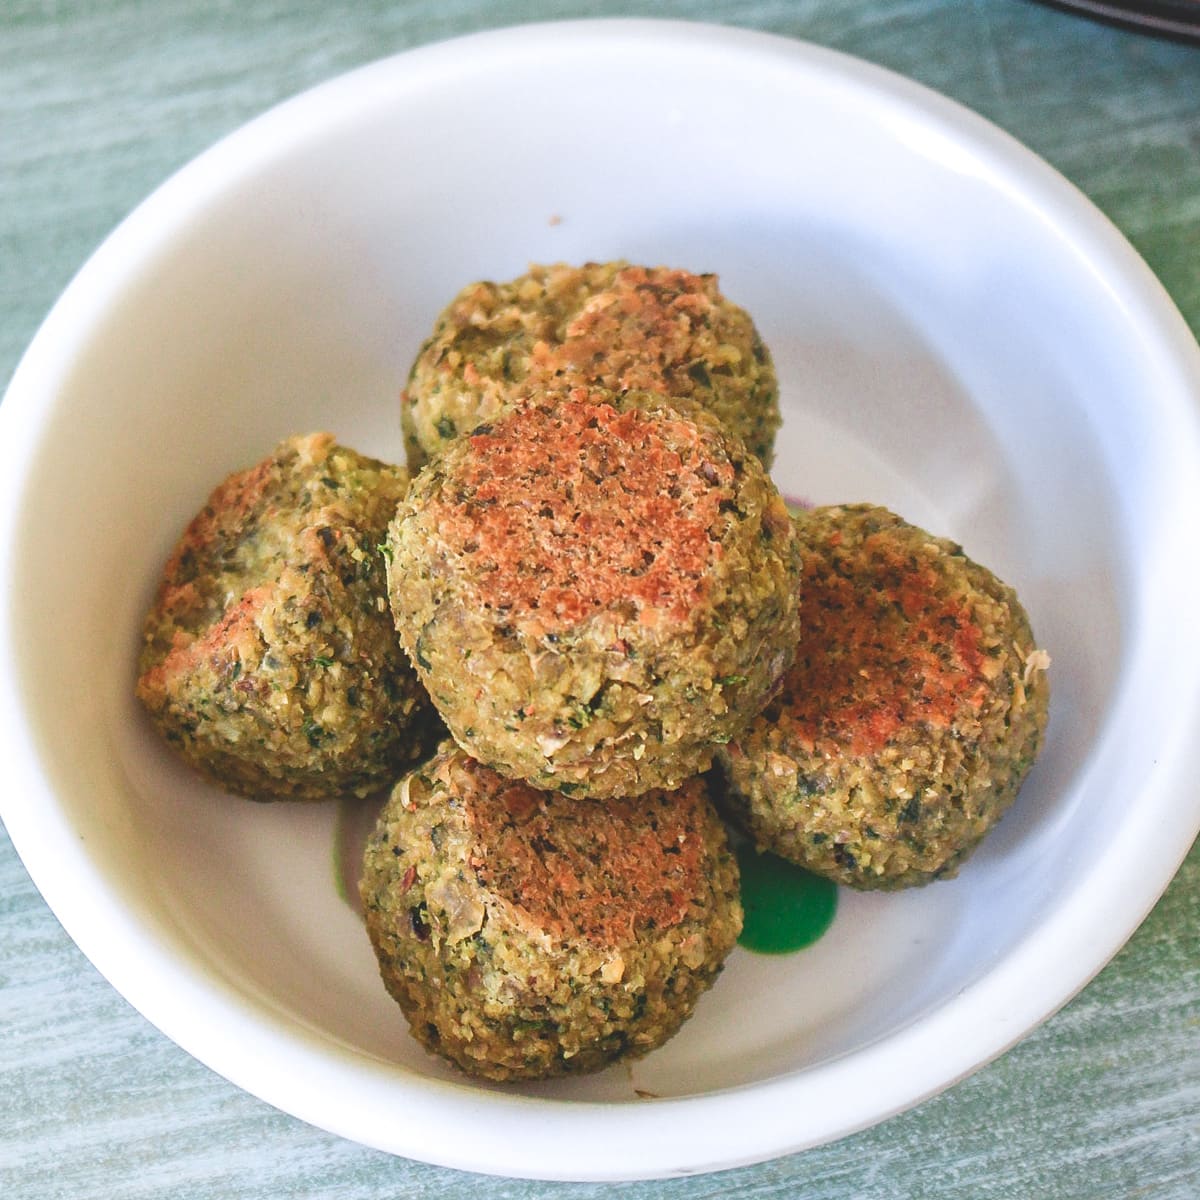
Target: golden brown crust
269,660
566,510
525,934
607,325
602,874
916,706
884,644
595,590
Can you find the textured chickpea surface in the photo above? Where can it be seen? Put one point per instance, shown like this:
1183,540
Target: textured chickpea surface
528,934
916,706
611,325
269,660
596,590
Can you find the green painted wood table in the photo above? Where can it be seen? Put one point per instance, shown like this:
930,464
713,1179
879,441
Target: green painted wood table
99,101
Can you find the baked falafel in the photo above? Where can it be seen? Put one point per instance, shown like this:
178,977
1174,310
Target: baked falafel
596,590
915,708
608,325
525,934
269,660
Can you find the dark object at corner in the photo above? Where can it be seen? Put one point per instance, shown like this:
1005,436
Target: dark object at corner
1179,19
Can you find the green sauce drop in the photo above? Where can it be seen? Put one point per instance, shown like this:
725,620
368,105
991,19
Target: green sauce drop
787,907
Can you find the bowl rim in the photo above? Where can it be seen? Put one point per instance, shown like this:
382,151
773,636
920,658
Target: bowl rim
295,1067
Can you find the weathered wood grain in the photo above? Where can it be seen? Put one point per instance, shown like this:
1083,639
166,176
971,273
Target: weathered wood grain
99,100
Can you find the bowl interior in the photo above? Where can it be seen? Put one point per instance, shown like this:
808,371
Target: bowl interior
950,342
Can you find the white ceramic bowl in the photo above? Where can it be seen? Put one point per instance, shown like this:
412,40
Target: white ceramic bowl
959,335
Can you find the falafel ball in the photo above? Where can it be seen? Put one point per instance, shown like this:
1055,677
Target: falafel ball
595,590
608,325
526,934
916,707
269,660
